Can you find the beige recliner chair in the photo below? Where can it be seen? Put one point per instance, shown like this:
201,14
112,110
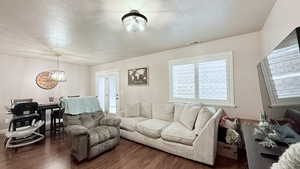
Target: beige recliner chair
91,134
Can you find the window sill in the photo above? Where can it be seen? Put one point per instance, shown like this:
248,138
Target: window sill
223,105
202,103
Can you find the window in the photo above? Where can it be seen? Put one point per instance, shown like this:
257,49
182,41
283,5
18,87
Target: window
282,75
184,81
206,79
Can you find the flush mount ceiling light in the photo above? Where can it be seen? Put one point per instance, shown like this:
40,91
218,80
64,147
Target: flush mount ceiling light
134,21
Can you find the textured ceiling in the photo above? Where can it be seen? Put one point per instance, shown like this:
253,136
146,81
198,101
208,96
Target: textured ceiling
90,31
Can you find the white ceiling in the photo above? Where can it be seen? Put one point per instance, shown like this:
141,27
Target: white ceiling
90,31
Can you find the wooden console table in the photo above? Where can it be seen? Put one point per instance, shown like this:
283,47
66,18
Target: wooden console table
254,150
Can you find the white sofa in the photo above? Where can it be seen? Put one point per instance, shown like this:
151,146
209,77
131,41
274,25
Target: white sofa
185,130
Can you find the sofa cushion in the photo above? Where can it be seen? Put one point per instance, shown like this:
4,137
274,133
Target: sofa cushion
132,110
98,115
178,109
212,109
203,116
189,116
101,134
163,112
129,123
88,121
76,130
110,120
176,132
146,110
152,128
71,120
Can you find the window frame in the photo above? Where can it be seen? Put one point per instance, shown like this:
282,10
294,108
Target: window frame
228,56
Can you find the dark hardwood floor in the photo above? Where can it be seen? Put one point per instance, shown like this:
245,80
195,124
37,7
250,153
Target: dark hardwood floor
54,154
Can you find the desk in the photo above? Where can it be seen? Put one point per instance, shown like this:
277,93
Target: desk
253,149
42,108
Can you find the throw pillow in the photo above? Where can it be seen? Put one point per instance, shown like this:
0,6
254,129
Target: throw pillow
189,116
213,110
146,110
203,116
178,111
163,112
132,110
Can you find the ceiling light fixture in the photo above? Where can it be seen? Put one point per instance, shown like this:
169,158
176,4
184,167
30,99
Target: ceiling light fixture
134,21
58,75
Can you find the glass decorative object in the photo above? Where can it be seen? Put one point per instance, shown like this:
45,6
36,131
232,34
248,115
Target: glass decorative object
266,132
58,75
134,21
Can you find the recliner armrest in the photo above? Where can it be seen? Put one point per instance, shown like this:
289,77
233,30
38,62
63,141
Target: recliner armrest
110,121
121,113
75,130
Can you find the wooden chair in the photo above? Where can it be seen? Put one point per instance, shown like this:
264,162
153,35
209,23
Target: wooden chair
57,123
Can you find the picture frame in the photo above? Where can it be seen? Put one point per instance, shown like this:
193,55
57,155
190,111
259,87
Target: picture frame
138,76
43,81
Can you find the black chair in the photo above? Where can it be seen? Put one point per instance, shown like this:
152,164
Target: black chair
57,123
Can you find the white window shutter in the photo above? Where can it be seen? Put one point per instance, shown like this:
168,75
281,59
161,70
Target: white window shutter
213,79
183,81
205,79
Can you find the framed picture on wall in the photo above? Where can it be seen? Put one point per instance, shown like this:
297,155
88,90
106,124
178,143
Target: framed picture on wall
44,82
138,76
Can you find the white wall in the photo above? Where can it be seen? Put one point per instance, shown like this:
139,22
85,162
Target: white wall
247,53
17,80
282,20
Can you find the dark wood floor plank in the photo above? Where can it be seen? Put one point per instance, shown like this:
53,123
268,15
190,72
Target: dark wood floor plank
55,154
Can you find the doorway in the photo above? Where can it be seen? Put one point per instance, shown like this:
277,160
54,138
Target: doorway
108,91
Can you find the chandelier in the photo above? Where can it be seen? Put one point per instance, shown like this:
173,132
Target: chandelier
58,75
134,21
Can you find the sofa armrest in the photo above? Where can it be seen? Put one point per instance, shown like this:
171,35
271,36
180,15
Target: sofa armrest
205,144
110,120
121,113
76,130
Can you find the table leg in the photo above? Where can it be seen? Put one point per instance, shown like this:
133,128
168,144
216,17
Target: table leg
51,122
43,117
